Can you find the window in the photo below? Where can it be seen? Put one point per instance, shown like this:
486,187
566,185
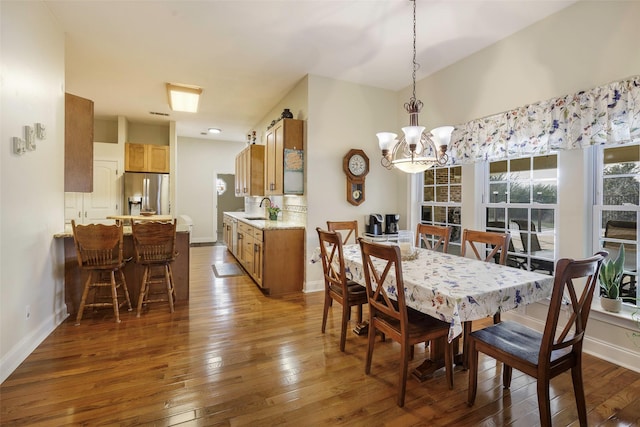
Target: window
522,198
442,201
616,210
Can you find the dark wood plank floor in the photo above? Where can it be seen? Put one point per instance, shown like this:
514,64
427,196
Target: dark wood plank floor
233,357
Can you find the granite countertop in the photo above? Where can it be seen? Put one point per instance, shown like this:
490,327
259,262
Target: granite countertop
126,230
265,224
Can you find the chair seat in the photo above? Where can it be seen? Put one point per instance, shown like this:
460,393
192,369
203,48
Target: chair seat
517,340
356,290
418,323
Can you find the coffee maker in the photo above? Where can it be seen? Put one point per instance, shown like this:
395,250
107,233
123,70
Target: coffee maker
374,224
391,223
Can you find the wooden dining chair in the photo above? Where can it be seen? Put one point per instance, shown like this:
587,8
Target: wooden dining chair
346,229
544,355
389,314
498,242
336,285
99,252
155,249
433,237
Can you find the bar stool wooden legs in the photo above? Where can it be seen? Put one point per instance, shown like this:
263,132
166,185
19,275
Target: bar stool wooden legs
155,243
99,251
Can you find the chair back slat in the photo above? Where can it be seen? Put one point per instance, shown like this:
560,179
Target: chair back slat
98,245
382,263
154,241
332,259
346,229
499,243
578,307
427,234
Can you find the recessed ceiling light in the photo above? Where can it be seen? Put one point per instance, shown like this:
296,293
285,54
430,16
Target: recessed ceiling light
214,130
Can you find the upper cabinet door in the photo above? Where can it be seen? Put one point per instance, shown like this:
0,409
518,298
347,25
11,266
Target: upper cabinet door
78,144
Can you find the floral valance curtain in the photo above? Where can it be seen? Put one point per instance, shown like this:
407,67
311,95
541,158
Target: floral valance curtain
607,114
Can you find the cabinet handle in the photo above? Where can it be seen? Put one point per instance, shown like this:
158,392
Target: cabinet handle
79,214
85,214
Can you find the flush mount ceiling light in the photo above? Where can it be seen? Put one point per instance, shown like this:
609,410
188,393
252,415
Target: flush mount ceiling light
214,130
410,152
184,98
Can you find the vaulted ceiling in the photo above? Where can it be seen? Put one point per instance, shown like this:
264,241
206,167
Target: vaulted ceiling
247,54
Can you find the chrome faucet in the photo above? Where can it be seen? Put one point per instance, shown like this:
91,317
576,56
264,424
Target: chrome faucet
265,198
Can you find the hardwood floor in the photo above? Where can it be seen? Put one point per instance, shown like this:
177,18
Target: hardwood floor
232,357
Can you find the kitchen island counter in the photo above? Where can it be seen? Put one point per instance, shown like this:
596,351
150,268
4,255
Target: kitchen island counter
265,224
74,278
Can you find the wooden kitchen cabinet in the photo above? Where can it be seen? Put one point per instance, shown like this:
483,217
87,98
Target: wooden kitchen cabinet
250,171
285,138
78,144
146,158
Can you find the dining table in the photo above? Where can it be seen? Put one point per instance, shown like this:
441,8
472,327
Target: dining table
456,290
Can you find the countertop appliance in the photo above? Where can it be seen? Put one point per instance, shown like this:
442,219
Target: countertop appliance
374,224
145,193
391,223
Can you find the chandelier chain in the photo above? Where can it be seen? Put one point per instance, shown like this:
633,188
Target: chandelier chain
415,63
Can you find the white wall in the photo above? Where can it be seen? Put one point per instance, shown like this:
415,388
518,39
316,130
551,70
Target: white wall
32,196
585,45
199,161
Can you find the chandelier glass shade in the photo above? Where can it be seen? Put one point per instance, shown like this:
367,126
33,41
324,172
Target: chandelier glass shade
415,151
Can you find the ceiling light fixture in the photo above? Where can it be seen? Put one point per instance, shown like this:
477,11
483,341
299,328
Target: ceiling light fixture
214,130
409,153
184,98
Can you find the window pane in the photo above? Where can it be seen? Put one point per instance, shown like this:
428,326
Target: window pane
520,168
440,214
428,194
520,192
456,175
498,192
495,214
428,177
442,193
426,214
546,192
543,220
498,171
456,193
456,234
442,176
454,215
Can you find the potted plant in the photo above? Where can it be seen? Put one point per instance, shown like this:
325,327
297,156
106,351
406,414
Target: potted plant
273,212
610,282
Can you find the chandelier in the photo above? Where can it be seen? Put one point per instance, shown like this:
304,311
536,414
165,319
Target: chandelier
415,151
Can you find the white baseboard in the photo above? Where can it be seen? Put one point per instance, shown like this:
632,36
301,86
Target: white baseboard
313,286
19,352
610,352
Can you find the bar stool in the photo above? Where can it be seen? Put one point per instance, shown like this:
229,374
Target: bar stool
99,251
155,248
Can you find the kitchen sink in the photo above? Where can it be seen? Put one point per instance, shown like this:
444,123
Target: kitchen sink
255,218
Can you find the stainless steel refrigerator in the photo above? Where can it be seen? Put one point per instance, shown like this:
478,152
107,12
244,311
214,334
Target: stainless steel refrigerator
146,192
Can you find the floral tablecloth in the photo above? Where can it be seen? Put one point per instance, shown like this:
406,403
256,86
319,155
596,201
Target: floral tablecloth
456,289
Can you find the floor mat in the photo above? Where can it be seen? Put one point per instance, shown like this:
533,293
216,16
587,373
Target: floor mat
227,269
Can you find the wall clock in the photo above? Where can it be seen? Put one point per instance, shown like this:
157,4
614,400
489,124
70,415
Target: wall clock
356,167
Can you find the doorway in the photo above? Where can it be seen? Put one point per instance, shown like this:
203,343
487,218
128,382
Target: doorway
226,200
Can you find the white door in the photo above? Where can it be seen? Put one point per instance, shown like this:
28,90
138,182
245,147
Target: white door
104,201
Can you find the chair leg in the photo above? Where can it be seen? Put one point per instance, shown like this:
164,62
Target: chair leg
372,340
346,310
578,391
167,277
114,296
85,292
405,349
144,287
507,372
126,290
544,405
473,372
360,313
325,312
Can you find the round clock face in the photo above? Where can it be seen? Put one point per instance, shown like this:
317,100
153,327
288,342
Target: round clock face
357,165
